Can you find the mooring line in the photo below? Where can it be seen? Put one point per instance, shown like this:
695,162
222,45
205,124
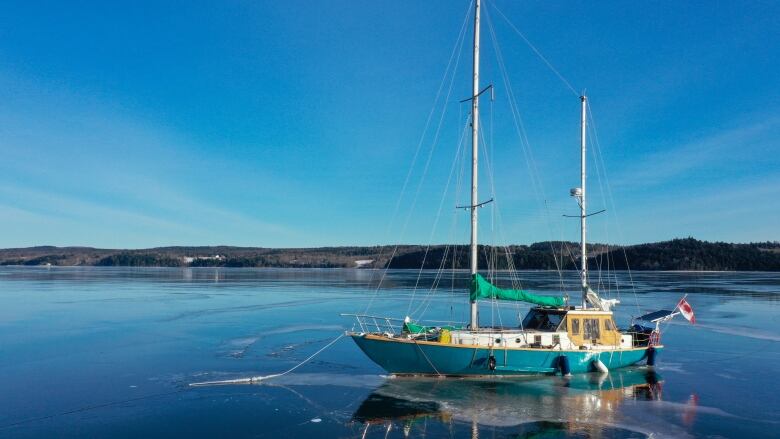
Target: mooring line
256,379
250,380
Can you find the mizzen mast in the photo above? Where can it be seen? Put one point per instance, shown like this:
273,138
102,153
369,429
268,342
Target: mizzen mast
583,206
474,321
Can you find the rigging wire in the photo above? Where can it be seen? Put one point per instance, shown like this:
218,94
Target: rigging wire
434,286
596,153
438,214
534,176
552,248
465,162
564,81
491,255
535,50
456,50
536,183
511,268
601,171
600,177
612,203
489,158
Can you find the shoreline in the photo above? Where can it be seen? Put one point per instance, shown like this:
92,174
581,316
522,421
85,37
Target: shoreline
677,255
426,270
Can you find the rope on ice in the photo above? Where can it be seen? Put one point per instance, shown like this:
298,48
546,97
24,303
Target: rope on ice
257,379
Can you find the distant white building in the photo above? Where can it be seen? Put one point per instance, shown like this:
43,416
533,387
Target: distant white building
190,259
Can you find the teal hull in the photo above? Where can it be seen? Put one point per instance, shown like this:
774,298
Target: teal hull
404,357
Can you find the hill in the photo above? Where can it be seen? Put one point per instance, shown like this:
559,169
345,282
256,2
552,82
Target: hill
677,254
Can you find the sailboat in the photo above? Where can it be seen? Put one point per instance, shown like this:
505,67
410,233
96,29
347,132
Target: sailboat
554,337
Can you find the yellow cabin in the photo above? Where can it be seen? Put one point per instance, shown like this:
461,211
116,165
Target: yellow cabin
591,327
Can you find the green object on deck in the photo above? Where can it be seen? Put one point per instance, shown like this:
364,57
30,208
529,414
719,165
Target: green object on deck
482,289
414,328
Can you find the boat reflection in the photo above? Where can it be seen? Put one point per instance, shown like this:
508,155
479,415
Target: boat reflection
585,405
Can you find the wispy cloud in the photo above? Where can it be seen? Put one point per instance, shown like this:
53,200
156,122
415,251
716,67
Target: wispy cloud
71,163
183,221
736,211
708,151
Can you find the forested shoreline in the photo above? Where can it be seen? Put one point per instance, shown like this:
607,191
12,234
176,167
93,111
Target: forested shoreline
676,254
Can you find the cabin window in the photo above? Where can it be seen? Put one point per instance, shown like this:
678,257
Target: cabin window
538,339
591,329
498,341
556,339
608,325
575,326
543,320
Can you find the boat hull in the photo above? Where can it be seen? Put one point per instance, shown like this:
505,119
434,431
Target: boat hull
409,357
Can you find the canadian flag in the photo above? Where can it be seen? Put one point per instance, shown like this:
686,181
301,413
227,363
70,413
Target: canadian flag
686,310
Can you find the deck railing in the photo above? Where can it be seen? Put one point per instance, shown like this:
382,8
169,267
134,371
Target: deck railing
370,323
380,324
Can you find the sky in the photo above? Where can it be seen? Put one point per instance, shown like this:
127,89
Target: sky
303,124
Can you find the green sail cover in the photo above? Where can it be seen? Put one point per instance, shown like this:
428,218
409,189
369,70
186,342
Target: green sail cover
482,289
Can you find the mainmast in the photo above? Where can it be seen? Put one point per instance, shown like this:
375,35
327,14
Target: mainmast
474,157
583,207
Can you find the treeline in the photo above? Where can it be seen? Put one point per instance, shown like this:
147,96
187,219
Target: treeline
140,260
691,254
217,256
677,254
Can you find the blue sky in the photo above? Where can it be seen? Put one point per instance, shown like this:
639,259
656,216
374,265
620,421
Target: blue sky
294,124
